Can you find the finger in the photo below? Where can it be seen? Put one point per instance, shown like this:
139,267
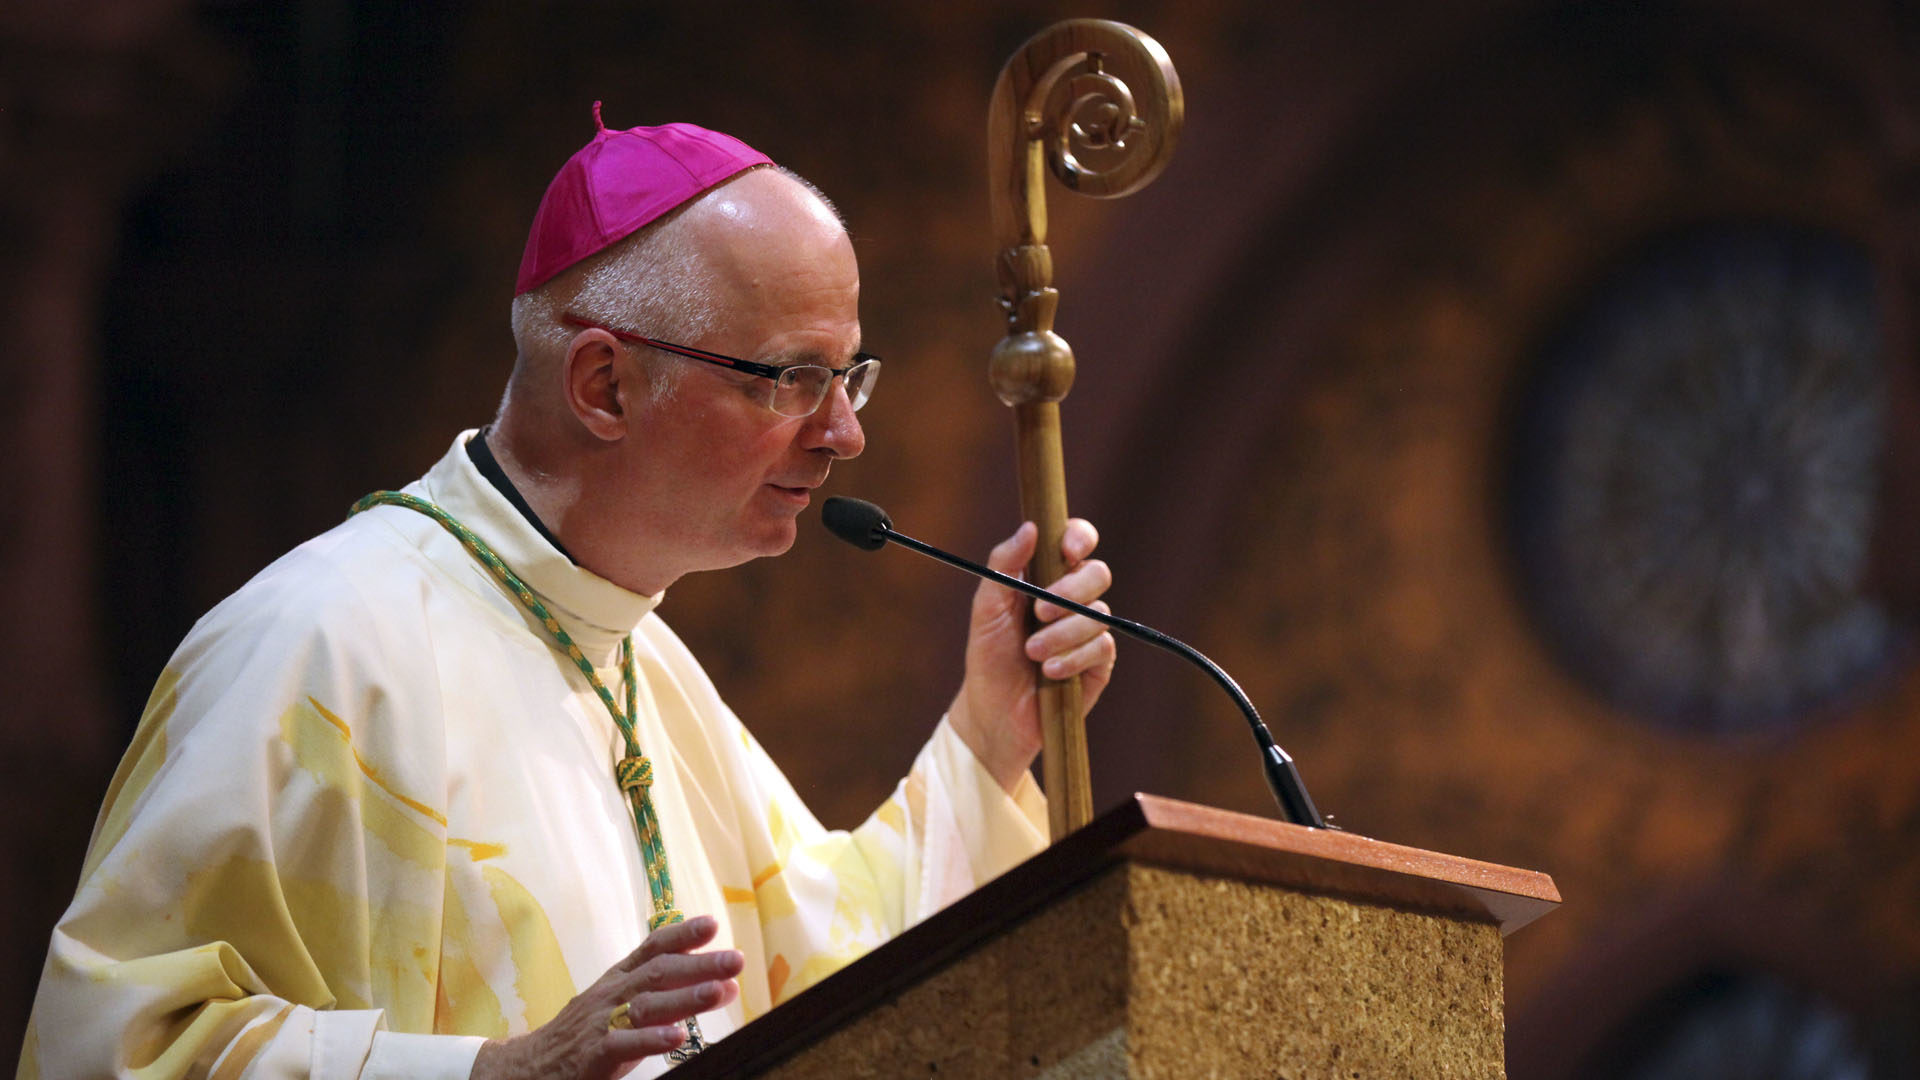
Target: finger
1085,584
1010,556
640,1042
671,971
677,937
996,603
673,1006
1079,540
1064,635
1095,655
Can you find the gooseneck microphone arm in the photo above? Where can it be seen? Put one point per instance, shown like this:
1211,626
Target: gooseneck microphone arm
866,526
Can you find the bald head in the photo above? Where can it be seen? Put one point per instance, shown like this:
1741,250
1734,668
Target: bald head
764,204
765,235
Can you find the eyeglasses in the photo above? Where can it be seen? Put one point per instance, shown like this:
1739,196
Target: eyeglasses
798,389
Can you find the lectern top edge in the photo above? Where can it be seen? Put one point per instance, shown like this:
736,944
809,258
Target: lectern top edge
1206,839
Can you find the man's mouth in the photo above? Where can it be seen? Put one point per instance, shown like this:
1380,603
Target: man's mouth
805,485
800,492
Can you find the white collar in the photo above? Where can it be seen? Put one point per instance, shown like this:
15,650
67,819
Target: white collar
576,594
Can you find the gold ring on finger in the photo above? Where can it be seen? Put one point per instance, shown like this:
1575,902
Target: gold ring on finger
619,1020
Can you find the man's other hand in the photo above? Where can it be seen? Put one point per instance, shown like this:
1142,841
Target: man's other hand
662,982
997,711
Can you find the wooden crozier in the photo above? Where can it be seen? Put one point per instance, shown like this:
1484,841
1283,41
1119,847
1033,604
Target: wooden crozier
1097,104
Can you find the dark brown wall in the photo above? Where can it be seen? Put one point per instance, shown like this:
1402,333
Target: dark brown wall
286,285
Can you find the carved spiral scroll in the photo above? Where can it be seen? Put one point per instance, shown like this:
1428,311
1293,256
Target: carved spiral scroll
1100,100
1098,105
1096,140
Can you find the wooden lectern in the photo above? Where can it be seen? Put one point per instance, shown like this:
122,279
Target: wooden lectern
1171,940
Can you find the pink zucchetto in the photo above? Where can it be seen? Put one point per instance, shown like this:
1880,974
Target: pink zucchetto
619,182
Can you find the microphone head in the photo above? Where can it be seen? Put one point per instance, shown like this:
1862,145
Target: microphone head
856,521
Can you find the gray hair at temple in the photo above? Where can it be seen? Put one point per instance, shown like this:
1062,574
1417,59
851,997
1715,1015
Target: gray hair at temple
653,283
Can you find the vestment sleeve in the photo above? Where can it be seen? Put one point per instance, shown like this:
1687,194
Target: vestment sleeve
263,891
825,898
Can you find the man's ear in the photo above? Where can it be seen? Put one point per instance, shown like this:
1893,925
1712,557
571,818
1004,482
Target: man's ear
596,384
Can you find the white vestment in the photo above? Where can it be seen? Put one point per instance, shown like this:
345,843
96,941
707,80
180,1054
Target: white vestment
369,818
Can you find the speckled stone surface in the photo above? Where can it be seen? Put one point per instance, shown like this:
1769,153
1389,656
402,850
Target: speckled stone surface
1229,979
1154,973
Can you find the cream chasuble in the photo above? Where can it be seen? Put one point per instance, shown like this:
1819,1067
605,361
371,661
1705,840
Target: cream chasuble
369,818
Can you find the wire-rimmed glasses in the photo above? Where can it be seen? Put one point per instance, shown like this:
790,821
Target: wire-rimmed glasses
797,390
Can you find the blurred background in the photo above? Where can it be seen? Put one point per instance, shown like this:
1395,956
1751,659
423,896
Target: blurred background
1516,396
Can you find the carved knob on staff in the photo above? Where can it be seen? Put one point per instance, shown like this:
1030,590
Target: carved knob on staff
1033,366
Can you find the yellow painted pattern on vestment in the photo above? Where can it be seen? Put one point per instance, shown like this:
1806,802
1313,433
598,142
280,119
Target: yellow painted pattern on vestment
540,971
817,967
916,791
317,738
249,1044
734,895
214,968
774,898
172,1046
855,926
464,1003
892,815
239,902
770,889
785,836
479,851
368,956
876,864
857,921
372,773
403,962
144,756
777,973
333,926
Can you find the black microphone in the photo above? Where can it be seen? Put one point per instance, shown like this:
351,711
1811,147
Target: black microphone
867,527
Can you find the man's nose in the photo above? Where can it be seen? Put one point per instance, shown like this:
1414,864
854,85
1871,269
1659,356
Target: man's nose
833,427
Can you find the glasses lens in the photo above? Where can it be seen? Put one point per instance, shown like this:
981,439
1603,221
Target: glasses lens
860,381
799,389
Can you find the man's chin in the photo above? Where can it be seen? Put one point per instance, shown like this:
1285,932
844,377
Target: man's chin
769,539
